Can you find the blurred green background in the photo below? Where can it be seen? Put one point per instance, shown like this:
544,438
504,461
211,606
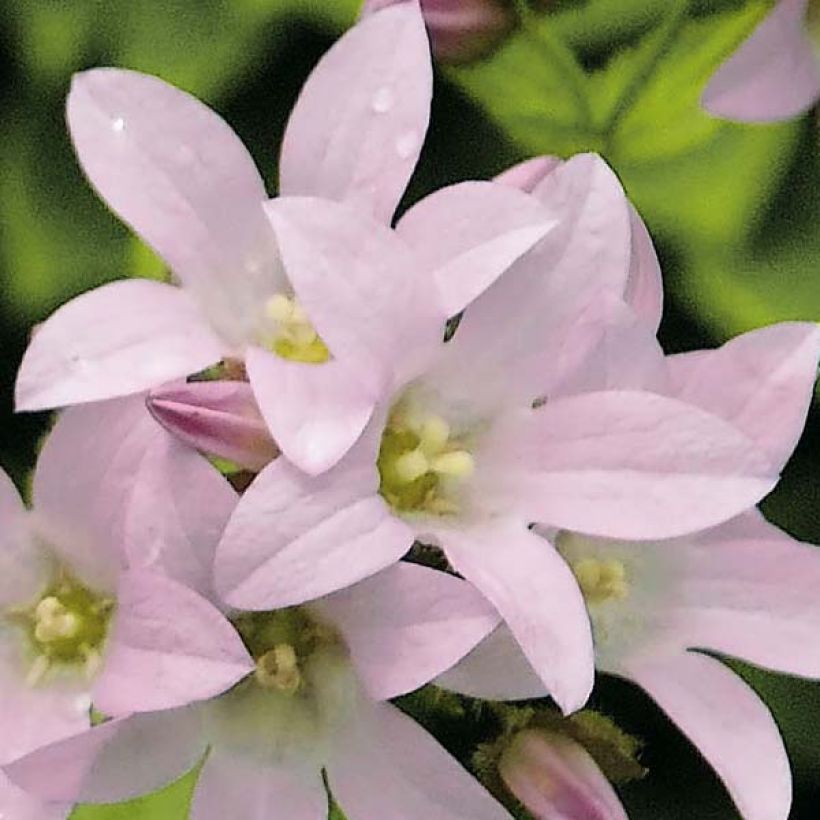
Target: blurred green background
733,210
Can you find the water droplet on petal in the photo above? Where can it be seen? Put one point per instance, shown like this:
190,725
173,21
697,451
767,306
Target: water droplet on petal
118,125
406,144
383,100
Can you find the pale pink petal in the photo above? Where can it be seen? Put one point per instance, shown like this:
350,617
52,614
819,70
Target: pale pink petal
556,778
532,587
467,235
219,418
749,594
406,625
294,538
729,724
622,464
241,787
33,715
118,339
528,174
315,412
135,494
774,75
644,288
496,669
761,381
24,566
178,175
15,804
385,765
361,286
358,126
167,647
114,761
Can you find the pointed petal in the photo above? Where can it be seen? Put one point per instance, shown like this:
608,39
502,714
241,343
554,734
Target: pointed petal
761,381
415,776
294,538
357,129
748,590
136,495
496,669
234,786
528,174
488,227
180,177
644,288
360,285
728,723
523,576
406,625
774,75
17,805
115,761
315,412
120,338
168,647
623,464
218,418
24,567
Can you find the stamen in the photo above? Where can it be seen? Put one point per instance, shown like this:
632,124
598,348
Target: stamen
54,622
279,669
433,435
458,464
293,336
412,465
601,580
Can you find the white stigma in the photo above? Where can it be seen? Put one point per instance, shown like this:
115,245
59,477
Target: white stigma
54,622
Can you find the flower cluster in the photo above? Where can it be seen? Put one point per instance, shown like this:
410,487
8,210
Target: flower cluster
460,458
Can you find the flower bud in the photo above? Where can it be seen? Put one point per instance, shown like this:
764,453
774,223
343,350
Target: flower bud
216,417
555,778
460,30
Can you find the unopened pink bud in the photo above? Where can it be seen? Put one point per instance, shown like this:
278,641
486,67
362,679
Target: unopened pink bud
460,30
555,778
219,418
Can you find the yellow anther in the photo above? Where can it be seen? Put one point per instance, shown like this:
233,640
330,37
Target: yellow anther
280,308
293,336
457,464
411,465
433,435
601,580
54,622
279,669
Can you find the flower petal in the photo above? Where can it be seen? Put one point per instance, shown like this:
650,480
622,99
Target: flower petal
496,669
314,411
761,382
488,227
523,576
218,418
168,647
17,805
179,176
644,288
360,285
118,339
406,625
115,761
357,129
528,174
234,786
294,538
774,75
729,724
415,776
622,464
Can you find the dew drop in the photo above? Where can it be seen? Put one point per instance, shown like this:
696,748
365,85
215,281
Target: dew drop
383,100
406,144
118,125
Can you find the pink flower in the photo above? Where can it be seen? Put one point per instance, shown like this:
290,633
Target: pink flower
322,334
775,74
460,30
557,779
314,701
743,589
507,425
15,804
111,488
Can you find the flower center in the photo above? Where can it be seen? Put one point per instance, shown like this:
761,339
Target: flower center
67,627
291,334
421,464
601,580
